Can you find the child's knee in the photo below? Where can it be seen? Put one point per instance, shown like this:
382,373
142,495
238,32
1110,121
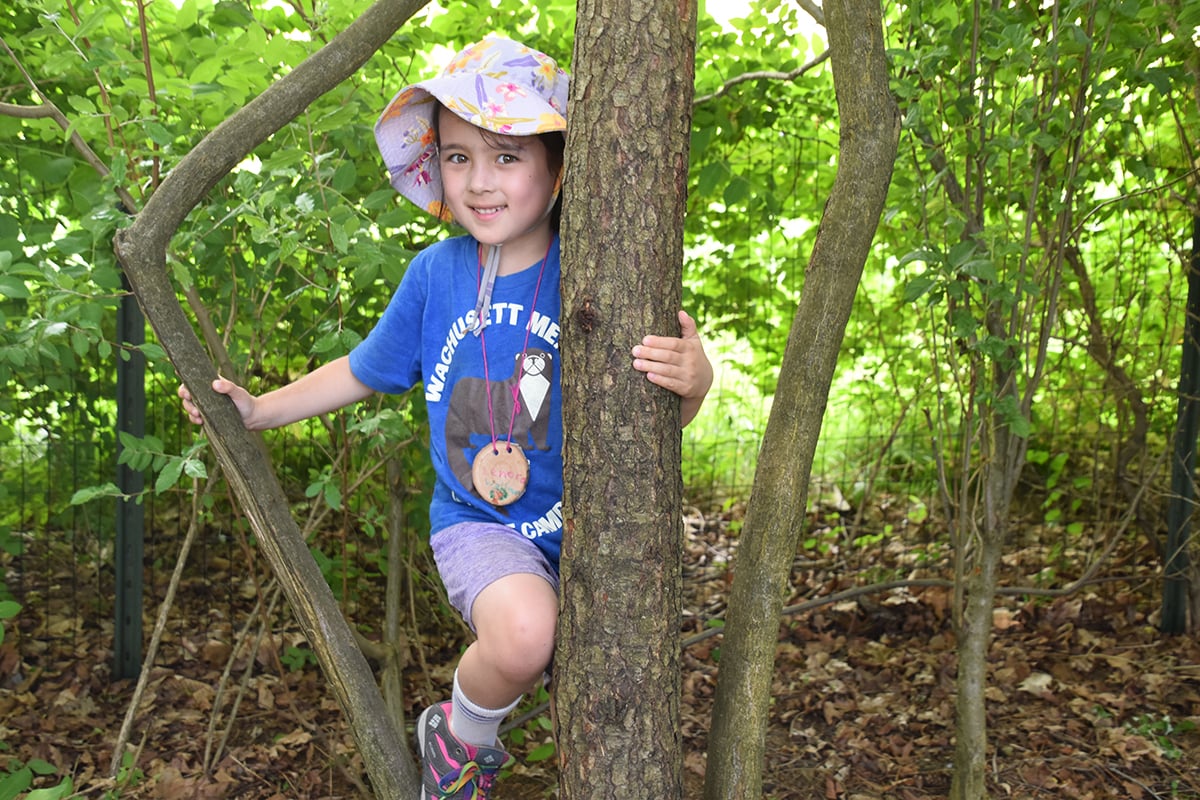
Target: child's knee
522,649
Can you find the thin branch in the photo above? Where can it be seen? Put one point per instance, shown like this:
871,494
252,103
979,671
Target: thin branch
25,112
160,626
53,112
1158,187
762,75
151,91
1087,579
814,11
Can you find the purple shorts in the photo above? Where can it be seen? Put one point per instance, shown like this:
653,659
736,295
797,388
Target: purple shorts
471,556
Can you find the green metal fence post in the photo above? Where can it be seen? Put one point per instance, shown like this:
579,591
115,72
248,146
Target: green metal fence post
131,419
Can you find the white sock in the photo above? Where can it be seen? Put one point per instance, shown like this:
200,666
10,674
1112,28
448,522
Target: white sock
473,724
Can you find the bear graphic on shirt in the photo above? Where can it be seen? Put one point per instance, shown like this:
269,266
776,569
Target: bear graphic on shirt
469,427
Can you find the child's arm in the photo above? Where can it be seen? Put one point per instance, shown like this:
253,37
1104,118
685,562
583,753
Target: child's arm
327,388
678,364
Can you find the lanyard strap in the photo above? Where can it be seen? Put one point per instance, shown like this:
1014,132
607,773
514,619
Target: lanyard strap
487,275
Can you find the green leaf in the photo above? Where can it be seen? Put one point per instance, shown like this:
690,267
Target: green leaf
982,268
90,493
959,254
333,496
15,783
917,288
63,789
1009,413
186,15
344,177
168,476
737,191
195,468
711,176
540,753
922,255
341,241
158,134
13,288
963,324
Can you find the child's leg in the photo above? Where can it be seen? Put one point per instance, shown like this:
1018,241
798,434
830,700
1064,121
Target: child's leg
507,592
515,619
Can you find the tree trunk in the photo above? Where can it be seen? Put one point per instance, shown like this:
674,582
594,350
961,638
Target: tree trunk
617,671
870,130
974,635
1002,458
141,249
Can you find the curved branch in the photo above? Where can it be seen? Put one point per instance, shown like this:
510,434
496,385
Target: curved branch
49,109
141,249
814,11
25,112
762,75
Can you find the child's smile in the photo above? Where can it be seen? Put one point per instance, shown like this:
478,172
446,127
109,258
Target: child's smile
499,188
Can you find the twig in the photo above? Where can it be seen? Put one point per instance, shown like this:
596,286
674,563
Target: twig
1087,579
53,112
160,625
814,11
1128,777
761,75
244,684
25,112
151,91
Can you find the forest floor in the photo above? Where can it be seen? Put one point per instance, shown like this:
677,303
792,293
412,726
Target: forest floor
1086,699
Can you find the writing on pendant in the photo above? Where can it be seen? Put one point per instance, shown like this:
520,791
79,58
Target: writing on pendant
500,473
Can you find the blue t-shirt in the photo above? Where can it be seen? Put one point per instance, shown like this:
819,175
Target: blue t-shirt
424,336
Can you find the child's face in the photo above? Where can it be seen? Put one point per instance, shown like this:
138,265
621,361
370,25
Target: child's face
498,187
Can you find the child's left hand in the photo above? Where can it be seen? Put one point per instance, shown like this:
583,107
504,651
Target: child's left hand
677,364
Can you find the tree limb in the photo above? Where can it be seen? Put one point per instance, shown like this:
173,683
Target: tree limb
868,136
25,112
762,75
814,11
49,109
141,249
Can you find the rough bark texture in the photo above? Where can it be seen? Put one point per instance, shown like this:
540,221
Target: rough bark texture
870,128
617,668
141,249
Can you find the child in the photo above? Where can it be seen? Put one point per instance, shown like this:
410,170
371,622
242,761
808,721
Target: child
475,319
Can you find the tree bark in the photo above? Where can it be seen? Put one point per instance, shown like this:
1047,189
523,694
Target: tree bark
870,130
617,673
1002,456
141,249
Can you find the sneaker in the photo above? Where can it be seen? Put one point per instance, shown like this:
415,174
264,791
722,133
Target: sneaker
451,769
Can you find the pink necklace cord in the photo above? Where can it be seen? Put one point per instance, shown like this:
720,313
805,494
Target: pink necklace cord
516,389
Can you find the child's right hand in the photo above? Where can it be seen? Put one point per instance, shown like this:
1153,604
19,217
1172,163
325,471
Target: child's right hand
242,400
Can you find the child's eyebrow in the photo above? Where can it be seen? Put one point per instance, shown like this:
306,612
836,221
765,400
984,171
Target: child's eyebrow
507,144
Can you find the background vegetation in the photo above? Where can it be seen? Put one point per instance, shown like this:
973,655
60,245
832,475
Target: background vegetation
1047,174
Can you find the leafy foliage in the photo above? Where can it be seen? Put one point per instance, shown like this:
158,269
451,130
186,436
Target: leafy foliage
1036,223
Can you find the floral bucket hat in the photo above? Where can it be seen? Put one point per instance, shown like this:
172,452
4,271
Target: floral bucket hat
496,84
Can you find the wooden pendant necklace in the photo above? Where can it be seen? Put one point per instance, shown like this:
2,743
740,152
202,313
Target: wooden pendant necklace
500,471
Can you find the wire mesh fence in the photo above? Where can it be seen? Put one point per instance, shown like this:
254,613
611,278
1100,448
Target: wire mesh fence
58,555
